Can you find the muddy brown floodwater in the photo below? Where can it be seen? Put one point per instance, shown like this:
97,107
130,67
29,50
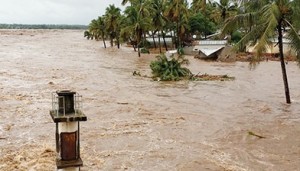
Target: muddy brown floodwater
135,123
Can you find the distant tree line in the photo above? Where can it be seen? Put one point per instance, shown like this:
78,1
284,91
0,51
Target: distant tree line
42,26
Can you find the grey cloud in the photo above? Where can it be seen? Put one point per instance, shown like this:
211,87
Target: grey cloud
53,11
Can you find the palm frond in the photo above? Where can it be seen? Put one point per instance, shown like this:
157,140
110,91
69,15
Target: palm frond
239,21
294,37
296,14
270,15
169,69
250,38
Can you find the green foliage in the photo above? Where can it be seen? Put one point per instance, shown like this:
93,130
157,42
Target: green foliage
165,69
144,44
180,51
263,25
145,50
178,13
201,25
236,36
112,23
88,35
96,28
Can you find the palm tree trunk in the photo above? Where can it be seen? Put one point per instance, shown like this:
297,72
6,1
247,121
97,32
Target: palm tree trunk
165,44
283,69
223,15
111,41
177,35
132,42
139,37
139,51
154,43
144,41
103,41
118,43
159,42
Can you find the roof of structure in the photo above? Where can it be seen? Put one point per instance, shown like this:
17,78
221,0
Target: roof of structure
212,42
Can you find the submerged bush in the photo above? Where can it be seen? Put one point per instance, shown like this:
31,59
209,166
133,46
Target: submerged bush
144,44
171,69
145,50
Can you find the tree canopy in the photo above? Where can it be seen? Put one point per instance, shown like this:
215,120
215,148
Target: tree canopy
274,20
256,22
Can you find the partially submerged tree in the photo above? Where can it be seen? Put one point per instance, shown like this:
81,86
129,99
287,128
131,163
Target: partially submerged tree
269,22
170,69
112,17
97,29
88,35
158,20
138,21
177,12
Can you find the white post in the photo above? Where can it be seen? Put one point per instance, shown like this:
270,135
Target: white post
69,169
67,127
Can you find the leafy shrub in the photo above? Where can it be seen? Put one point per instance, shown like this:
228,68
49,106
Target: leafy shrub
180,51
144,50
144,44
166,69
236,36
88,35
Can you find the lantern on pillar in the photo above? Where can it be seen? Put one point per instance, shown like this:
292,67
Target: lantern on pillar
66,113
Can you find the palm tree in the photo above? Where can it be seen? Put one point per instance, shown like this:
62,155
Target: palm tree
124,2
270,22
97,29
128,31
170,69
121,24
112,16
158,19
88,35
199,6
138,21
224,8
177,11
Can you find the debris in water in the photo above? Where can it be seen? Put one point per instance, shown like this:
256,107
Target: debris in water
136,73
256,135
122,103
208,77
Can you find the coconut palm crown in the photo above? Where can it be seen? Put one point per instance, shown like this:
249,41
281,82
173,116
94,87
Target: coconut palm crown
273,19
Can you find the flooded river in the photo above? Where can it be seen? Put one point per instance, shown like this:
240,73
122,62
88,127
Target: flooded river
135,123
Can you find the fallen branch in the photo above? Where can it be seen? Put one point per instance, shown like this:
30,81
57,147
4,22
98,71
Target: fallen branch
122,103
207,77
256,135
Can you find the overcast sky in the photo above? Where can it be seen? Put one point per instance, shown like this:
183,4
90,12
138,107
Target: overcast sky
53,11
